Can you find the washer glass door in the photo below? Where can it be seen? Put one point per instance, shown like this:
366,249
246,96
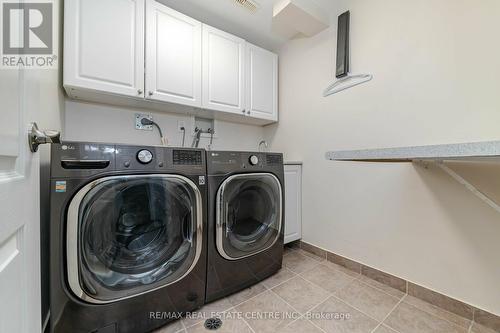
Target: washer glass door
134,234
249,210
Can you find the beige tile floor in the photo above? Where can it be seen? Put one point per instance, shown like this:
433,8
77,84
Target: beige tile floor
309,286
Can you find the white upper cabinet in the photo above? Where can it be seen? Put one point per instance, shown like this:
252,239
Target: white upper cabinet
262,83
104,46
223,71
148,51
173,56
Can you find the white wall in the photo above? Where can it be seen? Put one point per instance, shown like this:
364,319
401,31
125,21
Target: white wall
104,123
436,72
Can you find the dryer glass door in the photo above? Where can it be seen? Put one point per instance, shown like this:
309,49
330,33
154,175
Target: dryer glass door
249,214
128,235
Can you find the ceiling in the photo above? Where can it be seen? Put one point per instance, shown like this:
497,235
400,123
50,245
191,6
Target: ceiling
227,15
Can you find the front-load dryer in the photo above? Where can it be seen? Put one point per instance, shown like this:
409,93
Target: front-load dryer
245,220
128,232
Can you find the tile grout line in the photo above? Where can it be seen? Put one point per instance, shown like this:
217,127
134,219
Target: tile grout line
266,289
312,308
437,316
315,265
281,298
355,308
230,308
309,311
301,315
292,305
183,326
440,309
407,290
302,255
336,270
379,289
227,310
317,285
470,326
312,255
248,325
407,282
279,284
233,307
394,308
343,301
248,299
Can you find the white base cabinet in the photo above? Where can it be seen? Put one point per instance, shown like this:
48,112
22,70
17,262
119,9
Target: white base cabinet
293,202
149,54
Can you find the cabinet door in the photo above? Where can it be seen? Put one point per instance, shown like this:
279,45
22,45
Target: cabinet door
293,203
104,45
173,56
262,83
223,71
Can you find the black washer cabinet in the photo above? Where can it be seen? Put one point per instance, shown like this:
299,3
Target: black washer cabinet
128,235
245,219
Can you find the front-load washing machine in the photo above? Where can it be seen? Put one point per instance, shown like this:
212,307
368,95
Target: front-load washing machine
245,220
128,236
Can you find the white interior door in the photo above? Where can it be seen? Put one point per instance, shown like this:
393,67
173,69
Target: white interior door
173,56
19,208
223,71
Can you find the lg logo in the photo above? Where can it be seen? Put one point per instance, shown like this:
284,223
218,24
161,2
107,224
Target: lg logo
27,28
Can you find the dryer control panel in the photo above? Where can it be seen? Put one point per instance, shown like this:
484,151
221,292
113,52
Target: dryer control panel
225,162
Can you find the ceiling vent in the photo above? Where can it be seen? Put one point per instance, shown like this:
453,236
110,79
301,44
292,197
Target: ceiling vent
249,5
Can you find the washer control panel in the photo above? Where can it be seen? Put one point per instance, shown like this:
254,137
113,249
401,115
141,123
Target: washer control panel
144,156
187,157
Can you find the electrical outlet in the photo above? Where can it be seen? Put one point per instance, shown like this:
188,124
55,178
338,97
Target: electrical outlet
181,124
139,125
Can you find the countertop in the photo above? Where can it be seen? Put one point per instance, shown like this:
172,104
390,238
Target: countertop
473,151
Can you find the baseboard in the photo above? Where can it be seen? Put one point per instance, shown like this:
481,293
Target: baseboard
430,296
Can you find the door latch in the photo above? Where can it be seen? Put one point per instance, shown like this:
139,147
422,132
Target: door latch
37,137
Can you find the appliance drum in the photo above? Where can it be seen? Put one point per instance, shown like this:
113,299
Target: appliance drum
133,234
249,208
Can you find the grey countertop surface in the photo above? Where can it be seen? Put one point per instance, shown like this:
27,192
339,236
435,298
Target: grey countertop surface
473,151
292,163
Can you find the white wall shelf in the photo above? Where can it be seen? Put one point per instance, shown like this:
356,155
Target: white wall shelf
488,151
474,151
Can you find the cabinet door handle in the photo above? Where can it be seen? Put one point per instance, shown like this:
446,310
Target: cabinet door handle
139,92
248,112
150,93
244,111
